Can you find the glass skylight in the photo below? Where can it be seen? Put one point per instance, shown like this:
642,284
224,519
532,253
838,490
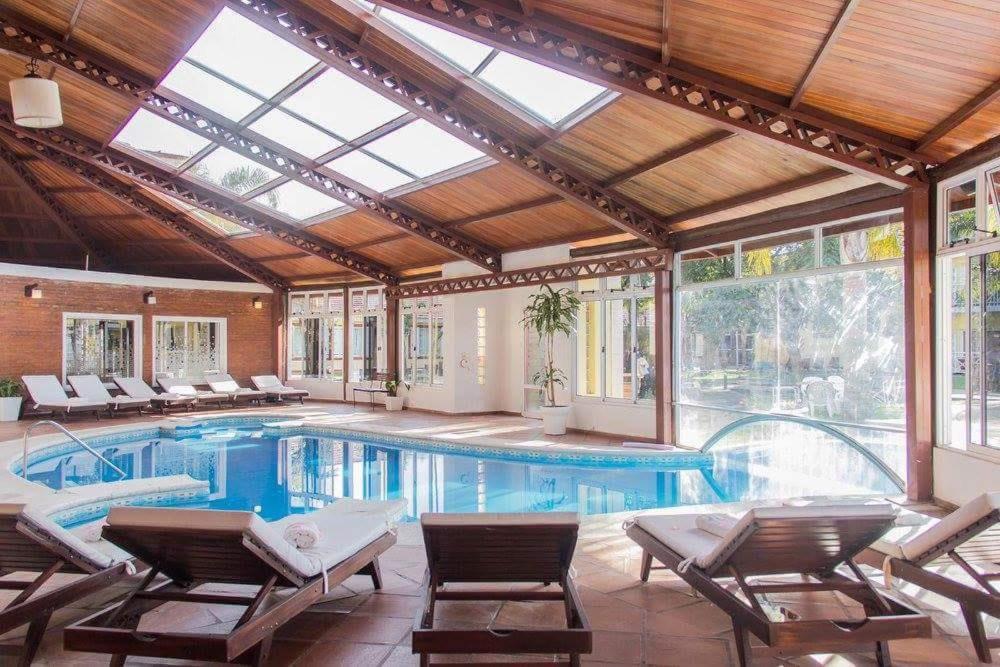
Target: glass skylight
160,139
368,171
232,171
297,201
546,92
221,224
343,106
293,133
242,51
461,51
209,91
422,149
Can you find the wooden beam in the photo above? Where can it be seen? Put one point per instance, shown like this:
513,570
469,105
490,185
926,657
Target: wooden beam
607,248
918,304
667,157
6,238
664,31
552,41
71,190
985,97
987,151
282,258
838,25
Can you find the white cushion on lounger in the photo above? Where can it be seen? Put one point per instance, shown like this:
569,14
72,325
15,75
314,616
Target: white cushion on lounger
90,387
97,558
138,389
266,382
679,533
917,540
46,391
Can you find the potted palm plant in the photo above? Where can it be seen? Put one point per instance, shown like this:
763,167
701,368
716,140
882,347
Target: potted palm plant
393,401
550,313
10,400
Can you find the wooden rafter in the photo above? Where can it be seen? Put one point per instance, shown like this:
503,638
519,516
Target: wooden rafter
205,198
838,25
175,221
328,41
54,211
665,31
985,97
551,41
30,41
667,157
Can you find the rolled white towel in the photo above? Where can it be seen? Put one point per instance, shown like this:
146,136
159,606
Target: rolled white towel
717,524
92,532
303,534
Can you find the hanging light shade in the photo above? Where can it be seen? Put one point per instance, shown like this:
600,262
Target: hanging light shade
35,100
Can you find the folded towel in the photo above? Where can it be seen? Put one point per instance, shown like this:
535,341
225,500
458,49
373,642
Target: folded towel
303,534
717,524
92,532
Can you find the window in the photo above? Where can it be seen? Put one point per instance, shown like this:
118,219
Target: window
366,170
160,139
481,345
297,200
960,212
103,345
782,254
316,336
460,51
423,149
423,341
615,336
188,347
357,109
231,171
367,333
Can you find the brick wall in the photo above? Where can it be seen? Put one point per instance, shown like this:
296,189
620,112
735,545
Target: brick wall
31,329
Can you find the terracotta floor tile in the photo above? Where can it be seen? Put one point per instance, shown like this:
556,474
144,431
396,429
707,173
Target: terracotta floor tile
685,651
654,597
619,618
370,629
621,648
401,656
396,606
696,620
343,653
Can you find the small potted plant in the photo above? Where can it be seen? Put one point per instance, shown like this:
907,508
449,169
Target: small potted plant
10,400
393,401
550,313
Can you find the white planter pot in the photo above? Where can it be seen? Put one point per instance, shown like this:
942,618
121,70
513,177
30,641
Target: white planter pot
10,409
554,419
393,403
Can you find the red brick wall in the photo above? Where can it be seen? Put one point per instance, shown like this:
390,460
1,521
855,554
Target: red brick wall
31,329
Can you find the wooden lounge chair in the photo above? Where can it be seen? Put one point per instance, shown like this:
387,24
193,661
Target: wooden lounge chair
271,385
185,387
192,547
373,386
223,383
967,537
48,395
809,541
138,389
31,542
90,387
500,548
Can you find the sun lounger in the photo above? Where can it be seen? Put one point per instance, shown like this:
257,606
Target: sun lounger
223,383
968,537
501,548
185,387
91,387
138,389
48,395
31,542
812,542
192,547
271,385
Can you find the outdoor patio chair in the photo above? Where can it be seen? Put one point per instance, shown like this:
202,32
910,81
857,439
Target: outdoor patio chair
190,547
185,387
91,387
489,549
272,386
373,386
812,542
47,395
223,383
31,542
967,537
138,389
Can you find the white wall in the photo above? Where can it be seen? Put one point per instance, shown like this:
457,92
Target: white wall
961,476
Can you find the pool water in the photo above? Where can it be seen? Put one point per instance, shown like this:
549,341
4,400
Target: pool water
249,467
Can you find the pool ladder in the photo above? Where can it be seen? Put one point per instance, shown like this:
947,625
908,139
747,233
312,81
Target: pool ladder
24,459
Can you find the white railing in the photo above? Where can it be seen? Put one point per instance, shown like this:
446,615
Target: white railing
24,458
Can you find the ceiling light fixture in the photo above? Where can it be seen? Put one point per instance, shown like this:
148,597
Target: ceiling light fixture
35,99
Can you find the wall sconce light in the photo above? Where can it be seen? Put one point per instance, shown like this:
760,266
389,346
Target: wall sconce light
149,299
258,303
33,291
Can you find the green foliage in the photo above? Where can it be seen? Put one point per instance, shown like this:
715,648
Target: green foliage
549,313
246,178
391,386
9,388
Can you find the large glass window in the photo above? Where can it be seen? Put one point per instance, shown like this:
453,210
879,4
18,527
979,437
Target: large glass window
316,336
367,333
423,340
105,346
188,347
615,339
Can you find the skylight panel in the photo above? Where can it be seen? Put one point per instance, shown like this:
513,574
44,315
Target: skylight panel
232,171
297,201
240,50
548,93
369,172
422,149
293,133
160,139
463,52
227,227
209,91
342,105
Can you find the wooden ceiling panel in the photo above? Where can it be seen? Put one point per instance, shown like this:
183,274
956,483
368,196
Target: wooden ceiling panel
541,225
637,21
351,228
54,15
306,266
977,129
481,192
261,246
407,252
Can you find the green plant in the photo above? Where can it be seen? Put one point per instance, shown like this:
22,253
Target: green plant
391,387
550,312
9,388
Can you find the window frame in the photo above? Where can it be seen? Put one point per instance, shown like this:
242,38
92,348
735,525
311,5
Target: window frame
434,353
223,337
381,342
328,318
135,318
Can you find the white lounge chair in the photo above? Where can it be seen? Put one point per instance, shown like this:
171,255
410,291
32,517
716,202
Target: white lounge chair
91,387
138,389
192,547
185,387
272,386
47,395
223,383
31,542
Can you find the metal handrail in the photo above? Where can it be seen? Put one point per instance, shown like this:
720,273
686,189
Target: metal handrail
24,459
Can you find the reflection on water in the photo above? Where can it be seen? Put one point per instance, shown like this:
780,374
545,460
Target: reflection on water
247,470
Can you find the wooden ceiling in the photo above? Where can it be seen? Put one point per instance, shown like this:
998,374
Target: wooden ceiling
920,75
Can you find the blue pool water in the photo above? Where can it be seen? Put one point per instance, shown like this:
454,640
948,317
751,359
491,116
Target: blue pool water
250,467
